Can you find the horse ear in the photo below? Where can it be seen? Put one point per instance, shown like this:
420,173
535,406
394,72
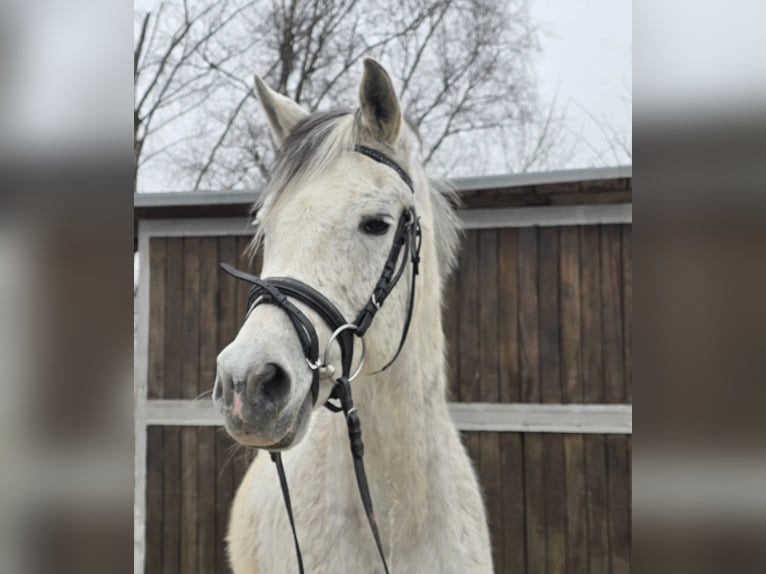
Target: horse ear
379,103
282,112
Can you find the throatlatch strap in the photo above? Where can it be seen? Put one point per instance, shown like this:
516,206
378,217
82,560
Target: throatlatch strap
277,459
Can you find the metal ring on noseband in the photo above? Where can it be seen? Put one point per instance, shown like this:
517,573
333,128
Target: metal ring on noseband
333,337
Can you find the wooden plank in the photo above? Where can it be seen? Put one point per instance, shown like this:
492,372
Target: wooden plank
189,390
171,537
528,197
190,328
205,437
512,536
550,392
576,500
487,312
508,312
157,274
529,354
555,504
189,495
208,348
174,290
619,504
629,454
154,496
598,198
488,382
564,187
627,308
451,322
208,316
228,323
597,507
171,502
224,495
469,319
590,307
548,304
529,349
206,494
611,314
534,493
569,296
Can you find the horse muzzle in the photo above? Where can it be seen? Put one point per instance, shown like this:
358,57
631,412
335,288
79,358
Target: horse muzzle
256,404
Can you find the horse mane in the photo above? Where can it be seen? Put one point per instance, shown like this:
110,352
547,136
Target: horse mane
315,142
447,228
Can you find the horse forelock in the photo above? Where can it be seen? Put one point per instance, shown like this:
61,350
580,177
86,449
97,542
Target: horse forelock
317,141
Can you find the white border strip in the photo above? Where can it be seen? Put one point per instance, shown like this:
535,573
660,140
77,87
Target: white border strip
546,216
197,227
140,375
482,182
486,417
533,417
470,218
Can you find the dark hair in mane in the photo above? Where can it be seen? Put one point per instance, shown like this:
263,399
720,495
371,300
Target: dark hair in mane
303,145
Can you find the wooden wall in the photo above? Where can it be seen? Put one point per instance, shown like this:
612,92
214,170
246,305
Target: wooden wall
539,315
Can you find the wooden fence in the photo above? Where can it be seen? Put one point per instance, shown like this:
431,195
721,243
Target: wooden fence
538,321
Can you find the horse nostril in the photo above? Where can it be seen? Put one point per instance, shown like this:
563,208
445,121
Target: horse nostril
270,386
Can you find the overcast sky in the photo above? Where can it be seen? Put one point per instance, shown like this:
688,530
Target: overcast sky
586,62
586,65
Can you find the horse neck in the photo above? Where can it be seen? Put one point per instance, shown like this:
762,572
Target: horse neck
404,409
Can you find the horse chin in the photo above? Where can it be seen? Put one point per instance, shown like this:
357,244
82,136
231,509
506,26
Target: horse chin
271,433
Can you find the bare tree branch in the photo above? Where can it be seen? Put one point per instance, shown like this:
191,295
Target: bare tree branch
140,47
221,139
463,68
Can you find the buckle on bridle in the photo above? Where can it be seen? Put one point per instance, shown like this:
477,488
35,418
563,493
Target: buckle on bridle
314,366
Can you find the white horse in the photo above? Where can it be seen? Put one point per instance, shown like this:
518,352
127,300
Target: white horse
314,222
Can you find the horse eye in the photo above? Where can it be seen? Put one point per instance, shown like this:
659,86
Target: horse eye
374,226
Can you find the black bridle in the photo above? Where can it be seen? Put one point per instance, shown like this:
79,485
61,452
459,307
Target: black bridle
279,291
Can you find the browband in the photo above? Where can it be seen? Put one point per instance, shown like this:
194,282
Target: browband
385,160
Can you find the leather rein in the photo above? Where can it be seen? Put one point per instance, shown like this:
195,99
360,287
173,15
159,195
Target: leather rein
280,291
